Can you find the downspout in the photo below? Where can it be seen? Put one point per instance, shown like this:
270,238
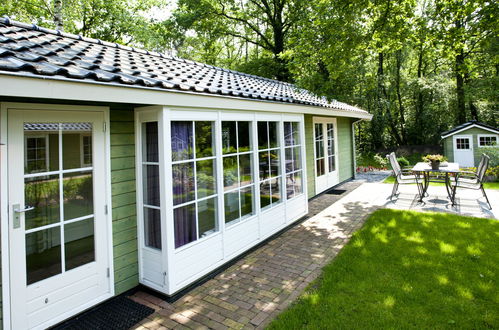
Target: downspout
354,147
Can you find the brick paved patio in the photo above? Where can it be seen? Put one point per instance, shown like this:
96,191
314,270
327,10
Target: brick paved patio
250,293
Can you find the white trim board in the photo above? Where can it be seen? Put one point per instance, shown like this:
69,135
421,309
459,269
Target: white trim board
18,86
468,127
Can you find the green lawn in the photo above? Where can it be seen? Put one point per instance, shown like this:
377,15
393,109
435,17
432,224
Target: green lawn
407,270
486,185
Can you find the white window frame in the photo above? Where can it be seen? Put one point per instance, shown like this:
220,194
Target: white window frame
485,136
37,136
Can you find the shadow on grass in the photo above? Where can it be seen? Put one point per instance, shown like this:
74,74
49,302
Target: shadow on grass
407,270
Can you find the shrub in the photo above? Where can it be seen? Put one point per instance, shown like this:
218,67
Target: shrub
493,153
403,162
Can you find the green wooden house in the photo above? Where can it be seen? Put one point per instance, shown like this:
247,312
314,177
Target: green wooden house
122,167
462,143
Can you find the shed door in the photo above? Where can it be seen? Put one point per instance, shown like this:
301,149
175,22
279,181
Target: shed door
58,223
325,151
463,150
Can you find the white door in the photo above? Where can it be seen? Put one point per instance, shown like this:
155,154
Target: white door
326,153
57,215
463,150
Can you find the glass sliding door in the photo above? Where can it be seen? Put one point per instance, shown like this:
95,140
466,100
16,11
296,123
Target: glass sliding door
293,166
325,151
269,163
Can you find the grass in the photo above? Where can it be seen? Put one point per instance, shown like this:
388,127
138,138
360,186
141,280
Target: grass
406,269
486,185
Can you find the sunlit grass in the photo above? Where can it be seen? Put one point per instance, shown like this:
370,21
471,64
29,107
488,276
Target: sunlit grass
486,185
407,270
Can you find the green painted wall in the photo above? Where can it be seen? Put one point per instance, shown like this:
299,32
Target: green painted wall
448,143
345,151
123,198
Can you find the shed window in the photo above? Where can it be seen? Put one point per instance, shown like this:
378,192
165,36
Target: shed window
462,143
487,140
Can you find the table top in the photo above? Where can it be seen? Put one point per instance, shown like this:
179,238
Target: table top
444,167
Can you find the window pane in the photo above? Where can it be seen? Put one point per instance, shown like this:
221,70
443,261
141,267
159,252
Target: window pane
244,136
276,190
184,219
150,142
319,149
204,139
246,201
263,140
264,194
274,163
318,131
87,150
330,147
151,184
78,190
42,193
230,172
273,137
291,136
298,183
72,137
183,183
293,184
229,137
319,163
41,147
43,254
205,176
152,228
79,243
296,133
181,140
245,169
331,164
231,204
264,164
296,158
207,216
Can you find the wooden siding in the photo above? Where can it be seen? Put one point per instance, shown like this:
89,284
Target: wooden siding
345,151
123,198
448,143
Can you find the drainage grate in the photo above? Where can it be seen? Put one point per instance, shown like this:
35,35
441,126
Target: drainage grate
116,314
336,191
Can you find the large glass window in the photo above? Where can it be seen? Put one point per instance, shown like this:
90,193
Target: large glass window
269,163
193,180
238,171
150,185
292,148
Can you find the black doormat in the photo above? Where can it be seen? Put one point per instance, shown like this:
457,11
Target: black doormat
118,313
335,191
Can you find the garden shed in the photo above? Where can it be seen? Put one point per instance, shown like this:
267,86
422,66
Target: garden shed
462,143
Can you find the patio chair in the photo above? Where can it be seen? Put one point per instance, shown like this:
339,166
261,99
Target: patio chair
472,180
402,176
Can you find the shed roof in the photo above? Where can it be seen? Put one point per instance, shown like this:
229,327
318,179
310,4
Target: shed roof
32,51
468,125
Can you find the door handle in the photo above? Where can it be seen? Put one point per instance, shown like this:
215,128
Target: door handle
16,208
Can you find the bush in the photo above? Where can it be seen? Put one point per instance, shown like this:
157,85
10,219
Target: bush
403,162
493,153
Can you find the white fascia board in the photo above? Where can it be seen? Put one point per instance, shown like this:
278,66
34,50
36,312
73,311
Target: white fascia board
51,88
468,127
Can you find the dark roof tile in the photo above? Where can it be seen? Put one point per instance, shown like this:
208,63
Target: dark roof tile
32,50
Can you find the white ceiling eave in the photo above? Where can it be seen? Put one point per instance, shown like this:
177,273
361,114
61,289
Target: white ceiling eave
16,85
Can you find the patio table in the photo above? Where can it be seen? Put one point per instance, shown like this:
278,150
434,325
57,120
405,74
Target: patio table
425,174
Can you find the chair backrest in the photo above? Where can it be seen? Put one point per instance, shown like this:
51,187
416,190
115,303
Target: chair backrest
482,167
394,164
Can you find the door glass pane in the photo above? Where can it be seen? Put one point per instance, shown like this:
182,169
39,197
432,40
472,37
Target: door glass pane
231,200
42,193
273,136
72,144
205,176
183,183
320,166
264,194
245,169
87,150
150,142
152,227
230,172
229,137
79,243
204,140
246,196
184,221
264,164
263,139
276,190
182,140
43,254
78,194
275,168
151,184
244,136
207,216
331,164
41,146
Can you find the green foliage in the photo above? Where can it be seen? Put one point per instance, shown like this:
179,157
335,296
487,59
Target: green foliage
399,270
403,162
493,153
371,160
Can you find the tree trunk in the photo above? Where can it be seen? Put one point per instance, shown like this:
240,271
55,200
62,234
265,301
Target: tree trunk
399,98
383,101
58,15
419,98
460,66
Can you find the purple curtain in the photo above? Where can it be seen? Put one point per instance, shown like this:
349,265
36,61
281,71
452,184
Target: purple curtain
184,224
153,227
181,140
